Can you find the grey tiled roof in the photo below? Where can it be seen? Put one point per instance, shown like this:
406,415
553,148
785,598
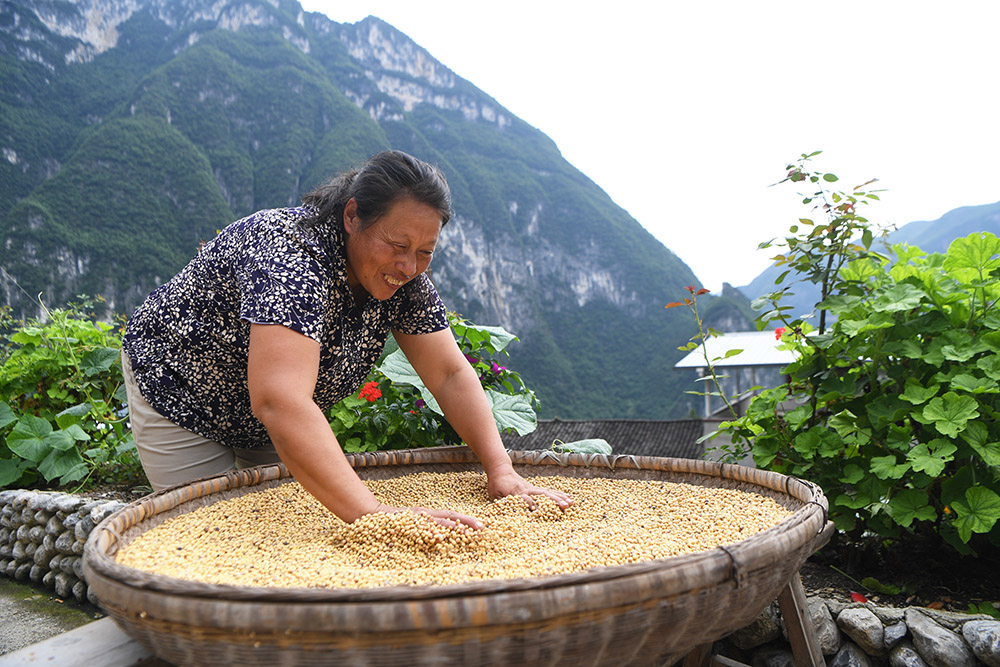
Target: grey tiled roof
637,437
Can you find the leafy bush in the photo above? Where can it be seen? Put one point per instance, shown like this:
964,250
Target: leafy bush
63,406
62,403
394,410
892,407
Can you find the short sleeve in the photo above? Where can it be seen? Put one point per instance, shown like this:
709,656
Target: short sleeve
421,310
281,286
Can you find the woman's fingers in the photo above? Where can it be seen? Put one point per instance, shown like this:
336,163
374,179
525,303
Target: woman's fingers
449,518
558,497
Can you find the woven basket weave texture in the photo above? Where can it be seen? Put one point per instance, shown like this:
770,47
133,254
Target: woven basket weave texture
647,613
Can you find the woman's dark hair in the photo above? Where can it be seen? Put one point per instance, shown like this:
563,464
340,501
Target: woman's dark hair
385,178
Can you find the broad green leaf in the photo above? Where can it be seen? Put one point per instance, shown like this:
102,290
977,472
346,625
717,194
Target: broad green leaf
380,421
886,467
99,360
989,451
27,336
844,423
973,385
11,470
6,415
126,445
977,512
498,337
59,462
60,440
798,416
840,303
957,352
886,410
899,437
978,251
74,474
849,501
898,297
852,474
908,348
588,446
991,340
512,412
873,584
73,415
28,438
764,450
932,457
990,366
76,433
911,505
954,487
351,445
397,368
916,393
962,345
871,490
873,322
977,435
818,440
949,413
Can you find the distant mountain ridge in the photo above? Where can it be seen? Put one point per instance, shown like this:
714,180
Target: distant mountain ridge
932,236
131,130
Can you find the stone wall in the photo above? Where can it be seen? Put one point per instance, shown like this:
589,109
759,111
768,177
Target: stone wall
866,635
42,534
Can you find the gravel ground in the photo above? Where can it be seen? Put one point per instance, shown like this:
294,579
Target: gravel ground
31,615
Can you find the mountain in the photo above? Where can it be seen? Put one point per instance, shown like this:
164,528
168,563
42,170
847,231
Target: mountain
930,236
132,130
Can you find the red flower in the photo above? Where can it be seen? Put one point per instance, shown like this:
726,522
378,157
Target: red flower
370,392
778,333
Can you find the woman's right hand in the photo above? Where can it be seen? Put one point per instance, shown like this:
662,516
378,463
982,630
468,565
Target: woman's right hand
445,518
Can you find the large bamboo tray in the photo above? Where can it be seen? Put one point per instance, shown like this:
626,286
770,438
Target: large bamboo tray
652,612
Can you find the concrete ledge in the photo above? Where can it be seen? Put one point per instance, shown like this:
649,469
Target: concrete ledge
98,643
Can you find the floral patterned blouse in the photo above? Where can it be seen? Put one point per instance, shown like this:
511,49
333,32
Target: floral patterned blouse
188,342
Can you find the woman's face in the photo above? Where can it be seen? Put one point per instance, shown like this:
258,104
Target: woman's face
394,250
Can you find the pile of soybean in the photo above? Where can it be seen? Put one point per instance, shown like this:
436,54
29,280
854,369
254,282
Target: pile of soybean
282,537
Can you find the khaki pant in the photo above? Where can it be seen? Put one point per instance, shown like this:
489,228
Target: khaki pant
171,454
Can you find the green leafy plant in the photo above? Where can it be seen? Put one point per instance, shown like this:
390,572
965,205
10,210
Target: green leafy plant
62,403
394,410
587,446
987,608
734,449
892,403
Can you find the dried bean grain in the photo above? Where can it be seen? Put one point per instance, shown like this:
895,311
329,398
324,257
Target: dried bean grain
282,537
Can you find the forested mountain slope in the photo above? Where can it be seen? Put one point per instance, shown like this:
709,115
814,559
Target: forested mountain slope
131,130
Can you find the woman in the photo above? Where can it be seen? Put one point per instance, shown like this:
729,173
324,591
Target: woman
235,360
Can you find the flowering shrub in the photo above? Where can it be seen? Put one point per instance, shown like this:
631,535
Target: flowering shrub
394,410
892,404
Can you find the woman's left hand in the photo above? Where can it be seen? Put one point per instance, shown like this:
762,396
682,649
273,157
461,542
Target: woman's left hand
512,484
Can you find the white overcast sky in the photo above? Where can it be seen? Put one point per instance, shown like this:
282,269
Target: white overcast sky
685,113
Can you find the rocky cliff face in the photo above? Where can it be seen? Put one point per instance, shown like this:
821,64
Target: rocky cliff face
533,246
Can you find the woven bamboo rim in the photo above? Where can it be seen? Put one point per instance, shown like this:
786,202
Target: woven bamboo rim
699,597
